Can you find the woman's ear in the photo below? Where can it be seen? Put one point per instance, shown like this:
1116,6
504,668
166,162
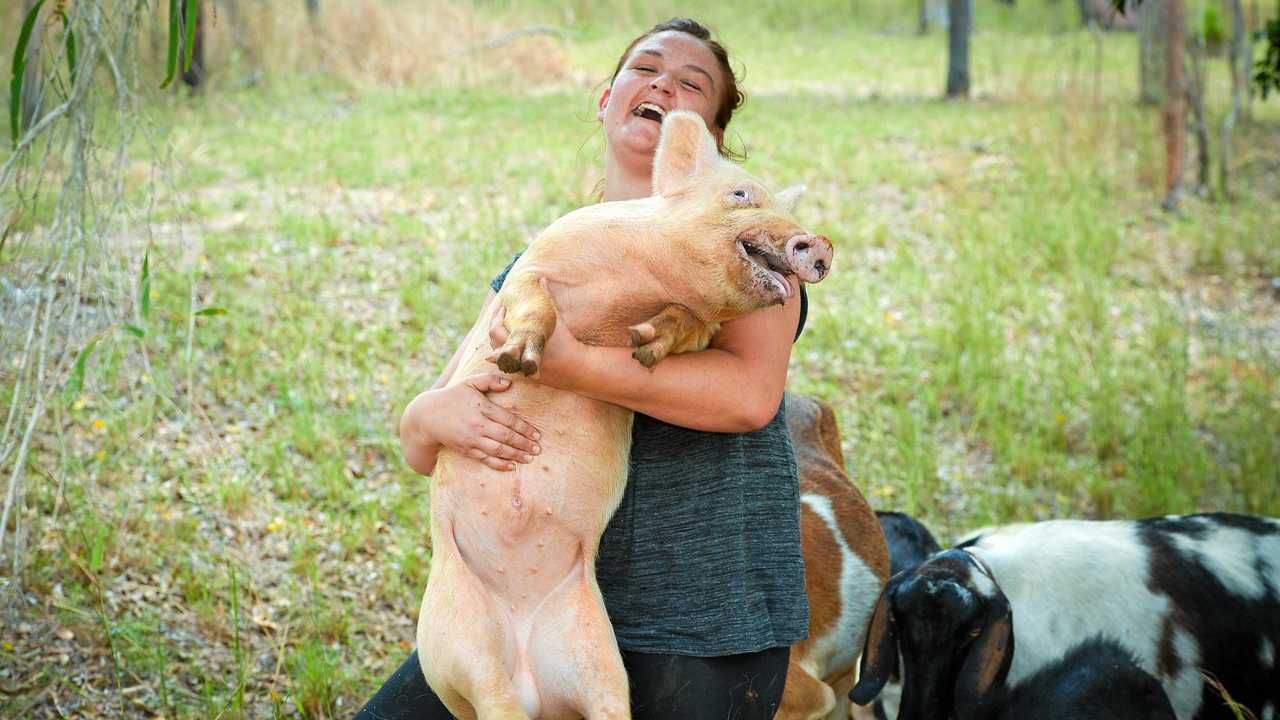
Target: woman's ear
604,101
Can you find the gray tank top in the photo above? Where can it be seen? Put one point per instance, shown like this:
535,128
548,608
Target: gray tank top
703,554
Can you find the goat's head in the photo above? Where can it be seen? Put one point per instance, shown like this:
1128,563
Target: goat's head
954,629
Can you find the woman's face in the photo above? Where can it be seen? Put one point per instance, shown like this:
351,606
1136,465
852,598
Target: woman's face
667,71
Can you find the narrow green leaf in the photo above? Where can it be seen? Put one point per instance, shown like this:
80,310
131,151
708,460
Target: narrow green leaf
19,68
172,63
144,287
191,34
135,331
211,311
76,382
71,54
95,552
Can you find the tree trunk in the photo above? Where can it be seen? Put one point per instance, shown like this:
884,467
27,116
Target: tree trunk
1152,40
1251,24
32,78
313,11
1195,96
193,77
1237,60
1085,14
958,31
923,27
1175,104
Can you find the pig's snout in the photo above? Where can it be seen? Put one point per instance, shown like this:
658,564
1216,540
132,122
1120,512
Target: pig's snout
810,256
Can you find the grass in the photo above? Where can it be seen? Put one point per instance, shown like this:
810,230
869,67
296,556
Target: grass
1013,331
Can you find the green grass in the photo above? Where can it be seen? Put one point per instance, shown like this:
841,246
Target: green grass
1012,331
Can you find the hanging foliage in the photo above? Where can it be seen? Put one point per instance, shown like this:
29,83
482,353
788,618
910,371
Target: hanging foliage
1267,77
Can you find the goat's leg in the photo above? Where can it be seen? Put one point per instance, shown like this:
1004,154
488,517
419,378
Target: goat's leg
805,697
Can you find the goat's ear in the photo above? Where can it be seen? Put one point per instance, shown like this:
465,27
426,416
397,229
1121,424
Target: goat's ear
880,652
685,149
987,664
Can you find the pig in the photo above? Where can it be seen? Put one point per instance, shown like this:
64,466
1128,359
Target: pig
512,624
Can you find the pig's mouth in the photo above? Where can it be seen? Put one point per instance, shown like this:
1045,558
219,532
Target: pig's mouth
649,111
767,265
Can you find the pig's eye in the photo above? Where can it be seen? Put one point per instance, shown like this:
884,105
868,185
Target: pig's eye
741,197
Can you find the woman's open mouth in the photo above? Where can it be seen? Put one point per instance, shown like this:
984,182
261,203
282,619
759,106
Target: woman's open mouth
649,111
768,265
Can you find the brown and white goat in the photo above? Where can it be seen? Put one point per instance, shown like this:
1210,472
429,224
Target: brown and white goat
846,564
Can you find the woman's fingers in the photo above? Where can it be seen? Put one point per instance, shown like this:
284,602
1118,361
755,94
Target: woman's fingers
488,382
501,438
496,463
526,435
500,449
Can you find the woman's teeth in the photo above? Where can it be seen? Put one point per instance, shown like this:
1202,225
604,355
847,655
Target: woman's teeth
649,111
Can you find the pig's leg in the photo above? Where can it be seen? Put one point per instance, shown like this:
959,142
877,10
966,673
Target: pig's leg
464,642
531,318
674,330
574,654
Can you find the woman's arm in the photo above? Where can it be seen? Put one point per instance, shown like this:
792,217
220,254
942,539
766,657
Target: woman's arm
735,385
462,417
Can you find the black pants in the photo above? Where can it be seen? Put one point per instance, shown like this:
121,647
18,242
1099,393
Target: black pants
734,687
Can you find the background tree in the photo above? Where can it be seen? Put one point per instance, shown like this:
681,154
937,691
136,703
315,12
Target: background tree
1238,61
1152,56
1175,104
959,30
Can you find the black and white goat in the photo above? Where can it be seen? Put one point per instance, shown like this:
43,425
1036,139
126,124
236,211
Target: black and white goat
1181,595
1095,680
910,543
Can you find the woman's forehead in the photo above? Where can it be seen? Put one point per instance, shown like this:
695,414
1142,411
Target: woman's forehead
673,42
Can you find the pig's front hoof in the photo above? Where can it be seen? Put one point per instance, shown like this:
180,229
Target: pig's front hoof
642,334
521,355
649,354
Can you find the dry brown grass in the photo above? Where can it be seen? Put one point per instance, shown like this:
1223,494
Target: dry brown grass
387,43
373,42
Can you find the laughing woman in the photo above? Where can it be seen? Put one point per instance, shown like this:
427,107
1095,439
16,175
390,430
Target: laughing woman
700,567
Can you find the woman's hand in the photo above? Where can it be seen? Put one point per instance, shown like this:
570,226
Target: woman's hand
560,355
462,418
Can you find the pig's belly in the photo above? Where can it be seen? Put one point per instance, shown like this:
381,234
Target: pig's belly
523,532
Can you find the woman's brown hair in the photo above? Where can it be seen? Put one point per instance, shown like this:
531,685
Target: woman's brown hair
730,99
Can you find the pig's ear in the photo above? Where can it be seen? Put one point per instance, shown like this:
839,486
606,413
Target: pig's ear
787,199
685,149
